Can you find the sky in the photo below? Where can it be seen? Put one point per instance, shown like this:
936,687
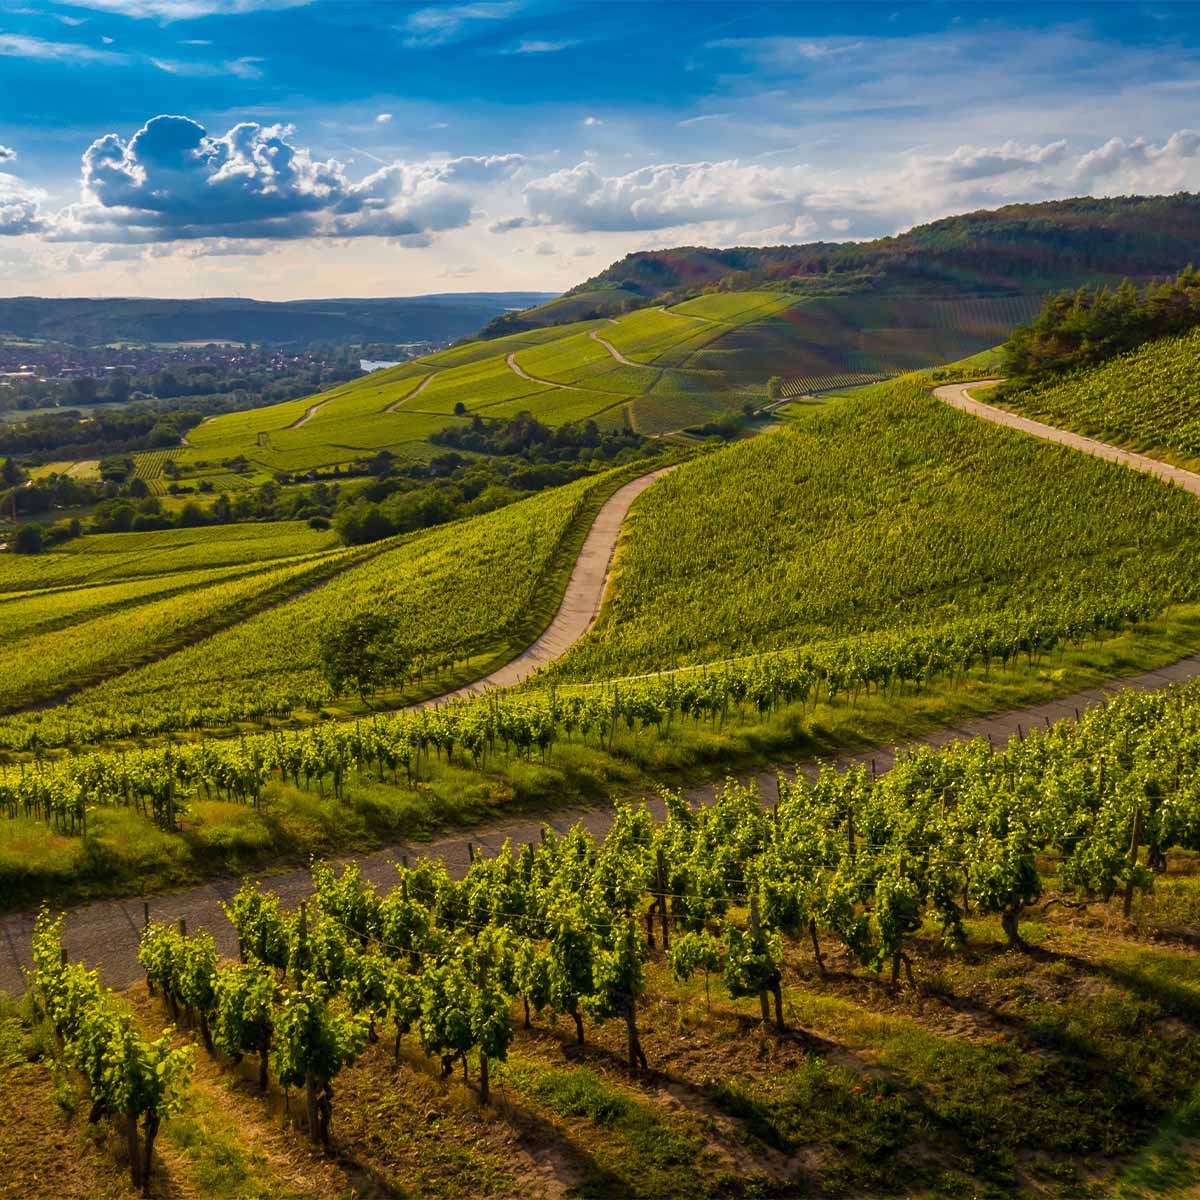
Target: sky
304,148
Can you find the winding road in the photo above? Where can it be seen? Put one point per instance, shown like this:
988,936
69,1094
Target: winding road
958,396
105,934
391,408
581,601
613,350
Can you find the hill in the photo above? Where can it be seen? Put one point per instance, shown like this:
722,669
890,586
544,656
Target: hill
1142,400
434,318
1017,247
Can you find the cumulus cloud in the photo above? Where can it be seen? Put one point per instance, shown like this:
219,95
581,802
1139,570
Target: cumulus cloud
1142,157
435,26
662,196
979,162
383,118
592,121
19,214
7,155
174,181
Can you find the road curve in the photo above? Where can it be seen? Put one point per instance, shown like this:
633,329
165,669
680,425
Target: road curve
105,934
409,395
581,601
958,396
519,370
613,350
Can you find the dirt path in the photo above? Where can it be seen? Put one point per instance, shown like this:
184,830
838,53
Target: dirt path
581,601
613,350
105,934
409,395
516,367
958,396
309,413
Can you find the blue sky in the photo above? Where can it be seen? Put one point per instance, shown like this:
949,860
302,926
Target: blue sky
283,148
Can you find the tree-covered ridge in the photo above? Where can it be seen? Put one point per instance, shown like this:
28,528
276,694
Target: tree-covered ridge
1019,247
1089,325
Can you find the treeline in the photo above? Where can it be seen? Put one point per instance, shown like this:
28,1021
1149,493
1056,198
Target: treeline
1089,325
517,458
99,433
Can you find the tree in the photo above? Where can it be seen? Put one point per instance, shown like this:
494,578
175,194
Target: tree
28,539
361,655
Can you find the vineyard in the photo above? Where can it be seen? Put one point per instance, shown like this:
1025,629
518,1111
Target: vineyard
467,595
843,981
685,366
883,512
1144,400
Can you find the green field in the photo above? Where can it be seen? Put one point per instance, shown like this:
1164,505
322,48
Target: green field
1144,400
883,510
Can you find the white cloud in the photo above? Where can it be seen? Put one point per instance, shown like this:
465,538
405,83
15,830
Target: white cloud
978,162
545,249
186,10
538,46
700,120
383,118
592,121
7,154
436,26
15,45
241,68
174,181
1151,165
19,215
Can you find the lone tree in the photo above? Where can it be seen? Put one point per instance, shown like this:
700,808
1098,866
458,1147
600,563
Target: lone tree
362,655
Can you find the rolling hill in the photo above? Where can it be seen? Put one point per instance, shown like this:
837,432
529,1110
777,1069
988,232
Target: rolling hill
435,318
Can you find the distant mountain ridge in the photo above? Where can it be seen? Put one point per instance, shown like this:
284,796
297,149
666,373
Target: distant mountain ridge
443,317
1020,248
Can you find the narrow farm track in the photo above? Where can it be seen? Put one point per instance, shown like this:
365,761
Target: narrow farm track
958,396
105,934
581,601
625,362
409,395
520,371
309,413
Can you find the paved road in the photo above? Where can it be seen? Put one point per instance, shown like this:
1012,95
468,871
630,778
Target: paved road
958,395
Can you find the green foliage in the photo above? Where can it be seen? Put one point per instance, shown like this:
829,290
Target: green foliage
1087,326
362,654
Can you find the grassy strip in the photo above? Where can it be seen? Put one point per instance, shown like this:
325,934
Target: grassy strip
125,855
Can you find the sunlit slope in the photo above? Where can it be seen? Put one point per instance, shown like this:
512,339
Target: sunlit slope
634,370
885,511
1145,400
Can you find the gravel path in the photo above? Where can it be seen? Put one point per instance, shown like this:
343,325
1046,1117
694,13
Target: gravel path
957,395
105,934
613,350
516,367
581,601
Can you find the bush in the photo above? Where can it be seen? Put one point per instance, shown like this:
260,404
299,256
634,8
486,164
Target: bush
28,539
